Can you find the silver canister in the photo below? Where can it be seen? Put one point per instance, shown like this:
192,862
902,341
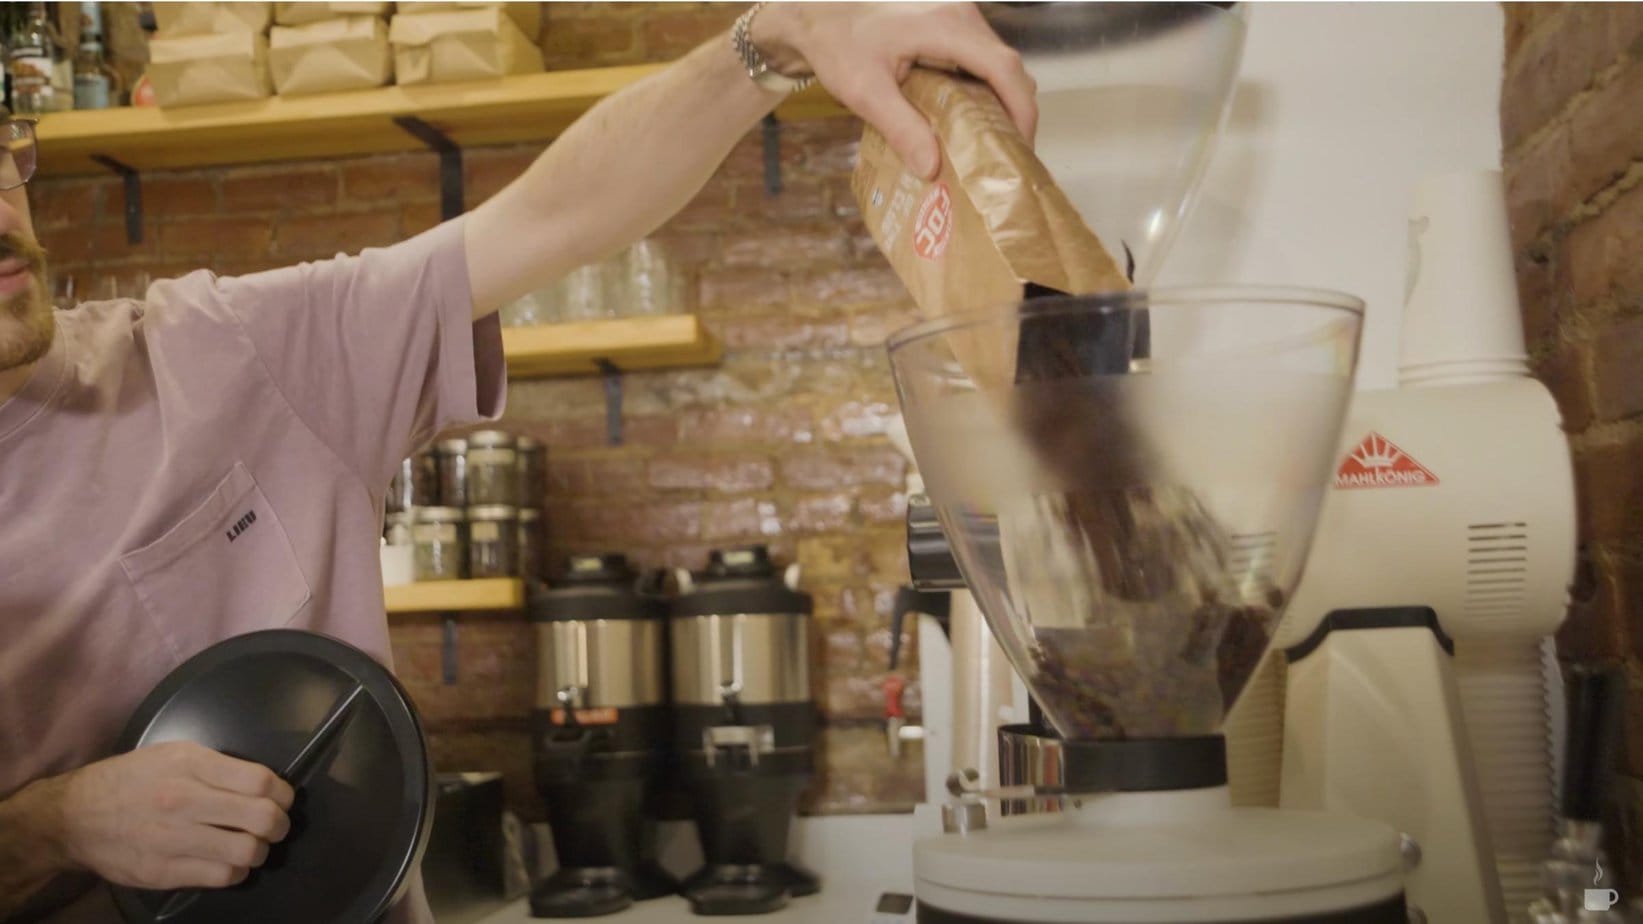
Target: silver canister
493,541
613,663
451,458
493,469
441,544
761,658
532,540
533,472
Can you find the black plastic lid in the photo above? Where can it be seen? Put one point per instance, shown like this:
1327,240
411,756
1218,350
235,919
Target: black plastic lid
741,580
594,587
337,726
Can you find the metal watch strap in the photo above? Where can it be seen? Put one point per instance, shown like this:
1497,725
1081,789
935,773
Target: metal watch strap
758,69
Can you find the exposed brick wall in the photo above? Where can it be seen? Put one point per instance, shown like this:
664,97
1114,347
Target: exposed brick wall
1573,141
782,443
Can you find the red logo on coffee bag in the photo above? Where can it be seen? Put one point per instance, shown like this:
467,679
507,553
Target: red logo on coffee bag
934,223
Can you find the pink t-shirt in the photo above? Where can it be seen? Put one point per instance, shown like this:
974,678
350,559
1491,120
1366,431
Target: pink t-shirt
152,427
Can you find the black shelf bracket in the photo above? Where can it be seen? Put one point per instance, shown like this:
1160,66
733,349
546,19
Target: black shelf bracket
133,195
447,648
772,131
613,401
450,163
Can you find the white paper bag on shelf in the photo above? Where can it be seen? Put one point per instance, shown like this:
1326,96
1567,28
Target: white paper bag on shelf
177,19
527,16
449,47
300,14
330,56
191,70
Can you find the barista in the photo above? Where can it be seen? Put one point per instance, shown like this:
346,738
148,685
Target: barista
135,435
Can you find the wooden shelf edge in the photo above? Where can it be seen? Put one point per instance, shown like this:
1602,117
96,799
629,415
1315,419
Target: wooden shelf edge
455,596
519,108
574,348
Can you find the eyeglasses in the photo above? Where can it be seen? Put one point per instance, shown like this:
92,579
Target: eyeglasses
18,152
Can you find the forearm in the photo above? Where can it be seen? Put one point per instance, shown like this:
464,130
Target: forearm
31,843
614,176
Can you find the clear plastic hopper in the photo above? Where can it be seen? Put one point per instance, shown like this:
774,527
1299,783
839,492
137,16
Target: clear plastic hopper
1132,531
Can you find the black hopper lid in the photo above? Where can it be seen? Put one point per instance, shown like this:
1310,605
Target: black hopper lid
741,580
337,726
590,587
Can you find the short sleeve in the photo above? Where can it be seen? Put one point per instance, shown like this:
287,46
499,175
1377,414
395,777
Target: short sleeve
377,352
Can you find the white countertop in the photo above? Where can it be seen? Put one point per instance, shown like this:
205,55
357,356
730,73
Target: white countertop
858,857
836,903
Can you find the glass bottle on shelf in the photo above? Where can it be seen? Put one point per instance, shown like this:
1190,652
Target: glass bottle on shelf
28,64
93,82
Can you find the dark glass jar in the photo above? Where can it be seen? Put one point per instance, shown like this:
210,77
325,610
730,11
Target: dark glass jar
493,541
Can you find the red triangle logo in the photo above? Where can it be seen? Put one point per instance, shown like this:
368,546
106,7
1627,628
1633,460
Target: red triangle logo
1378,463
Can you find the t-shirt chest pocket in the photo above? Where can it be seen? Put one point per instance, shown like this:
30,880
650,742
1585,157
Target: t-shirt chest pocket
227,568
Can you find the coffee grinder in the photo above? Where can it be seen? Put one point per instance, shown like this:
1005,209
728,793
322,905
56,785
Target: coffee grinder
600,726
744,726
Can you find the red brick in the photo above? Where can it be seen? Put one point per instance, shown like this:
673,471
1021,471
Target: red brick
882,506
1552,65
742,289
887,556
843,200
287,190
738,425
858,419
503,748
402,178
1538,192
1605,136
1592,632
840,468
1609,483
1602,252
740,519
878,647
873,327
871,606
690,247
575,42
318,236
786,246
595,477
851,286
487,170
68,203
417,217
589,433
837,157
858,775
1565,373
797,202
780,332
832,558
822,513
67,245
1617,370
221,238
168,196
668,35
730,474
1538,298
853,696
713,208
633,523
746,159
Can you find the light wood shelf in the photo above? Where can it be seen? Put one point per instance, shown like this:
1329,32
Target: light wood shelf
456,596
529,107
574,348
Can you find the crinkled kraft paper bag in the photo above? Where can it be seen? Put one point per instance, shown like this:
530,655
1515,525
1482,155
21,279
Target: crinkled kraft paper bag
475,44
192,70
330,56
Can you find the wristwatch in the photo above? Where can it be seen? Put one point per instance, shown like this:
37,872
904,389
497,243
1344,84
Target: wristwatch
757,67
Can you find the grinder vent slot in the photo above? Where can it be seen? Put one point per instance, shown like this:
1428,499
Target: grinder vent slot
1497,568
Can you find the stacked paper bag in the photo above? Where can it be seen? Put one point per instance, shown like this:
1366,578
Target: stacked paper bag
301,14
331,55
175,19
209,53
464,41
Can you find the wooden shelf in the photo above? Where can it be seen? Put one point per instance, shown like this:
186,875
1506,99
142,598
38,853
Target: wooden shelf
530,107
456,596
574,348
